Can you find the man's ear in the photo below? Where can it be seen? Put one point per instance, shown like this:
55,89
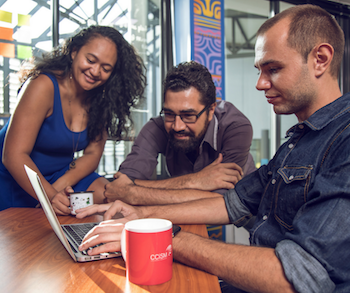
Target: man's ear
322,55
211,111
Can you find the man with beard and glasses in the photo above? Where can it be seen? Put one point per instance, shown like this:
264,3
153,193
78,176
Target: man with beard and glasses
205,144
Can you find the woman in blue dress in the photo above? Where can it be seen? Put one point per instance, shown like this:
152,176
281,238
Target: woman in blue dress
72,100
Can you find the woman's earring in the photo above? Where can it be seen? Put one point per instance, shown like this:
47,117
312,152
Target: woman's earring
103,93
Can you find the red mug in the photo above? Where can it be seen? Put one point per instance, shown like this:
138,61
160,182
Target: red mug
146,246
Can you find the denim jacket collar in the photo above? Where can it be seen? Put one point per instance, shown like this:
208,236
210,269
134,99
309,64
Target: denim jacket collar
322,117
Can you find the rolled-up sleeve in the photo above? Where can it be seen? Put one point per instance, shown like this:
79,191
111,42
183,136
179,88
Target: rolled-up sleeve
238,213
302,270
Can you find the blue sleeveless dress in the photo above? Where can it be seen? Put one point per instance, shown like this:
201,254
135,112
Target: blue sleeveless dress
52,154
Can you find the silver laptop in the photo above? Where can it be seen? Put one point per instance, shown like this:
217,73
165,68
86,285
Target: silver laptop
70,235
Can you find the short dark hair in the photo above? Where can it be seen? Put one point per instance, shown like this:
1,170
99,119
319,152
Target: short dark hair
311,25
191,74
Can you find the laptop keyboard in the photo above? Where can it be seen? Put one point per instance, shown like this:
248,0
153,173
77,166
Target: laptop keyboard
78,232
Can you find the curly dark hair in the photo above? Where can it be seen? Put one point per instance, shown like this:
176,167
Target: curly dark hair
184,75
109,104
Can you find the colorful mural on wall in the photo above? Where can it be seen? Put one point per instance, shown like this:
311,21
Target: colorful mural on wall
207,39
207,48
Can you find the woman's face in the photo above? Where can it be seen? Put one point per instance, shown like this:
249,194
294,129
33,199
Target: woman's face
93,64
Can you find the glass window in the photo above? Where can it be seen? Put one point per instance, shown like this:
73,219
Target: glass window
25,29
21,27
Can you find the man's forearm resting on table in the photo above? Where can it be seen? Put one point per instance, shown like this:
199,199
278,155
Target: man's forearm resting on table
253,269
139,195
213,177
180,182
206,210
188,181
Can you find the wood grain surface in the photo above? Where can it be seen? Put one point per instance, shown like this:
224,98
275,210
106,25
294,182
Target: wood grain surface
33,260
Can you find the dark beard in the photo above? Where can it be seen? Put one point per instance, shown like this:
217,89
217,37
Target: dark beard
189,145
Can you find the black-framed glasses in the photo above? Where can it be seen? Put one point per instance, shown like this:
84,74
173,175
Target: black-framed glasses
186,118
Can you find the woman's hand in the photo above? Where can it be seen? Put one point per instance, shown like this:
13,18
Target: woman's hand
60,202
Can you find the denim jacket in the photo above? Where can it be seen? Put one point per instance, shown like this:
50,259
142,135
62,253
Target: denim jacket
302,201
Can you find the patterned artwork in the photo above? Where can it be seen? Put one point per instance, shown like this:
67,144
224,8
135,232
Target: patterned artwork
216,232
207,36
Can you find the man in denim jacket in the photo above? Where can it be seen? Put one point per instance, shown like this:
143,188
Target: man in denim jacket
300,241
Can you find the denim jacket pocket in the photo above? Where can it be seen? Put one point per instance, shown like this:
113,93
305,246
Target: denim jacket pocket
297,179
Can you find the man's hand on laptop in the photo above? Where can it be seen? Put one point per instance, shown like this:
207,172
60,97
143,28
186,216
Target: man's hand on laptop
109,231
92,210
111,210
104,237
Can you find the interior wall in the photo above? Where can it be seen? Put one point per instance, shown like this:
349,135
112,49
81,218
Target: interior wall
241,76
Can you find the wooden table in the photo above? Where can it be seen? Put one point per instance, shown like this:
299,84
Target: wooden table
33,260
